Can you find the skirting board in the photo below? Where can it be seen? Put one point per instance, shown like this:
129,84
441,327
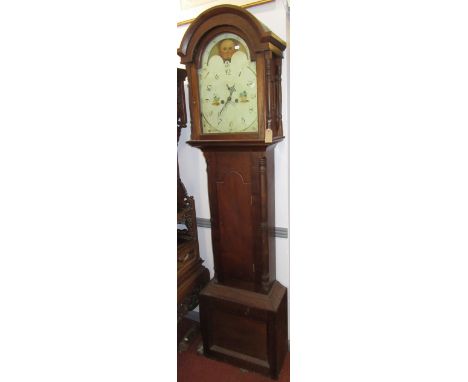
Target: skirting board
278,231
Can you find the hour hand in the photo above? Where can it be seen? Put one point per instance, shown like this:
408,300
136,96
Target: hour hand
231,89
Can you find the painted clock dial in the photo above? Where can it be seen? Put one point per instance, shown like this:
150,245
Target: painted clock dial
228,87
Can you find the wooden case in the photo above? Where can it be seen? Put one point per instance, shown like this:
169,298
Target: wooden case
243,310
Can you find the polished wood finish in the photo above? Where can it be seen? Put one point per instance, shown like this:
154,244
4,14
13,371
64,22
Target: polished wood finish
265,48
192,276
243,310
241,194
245,328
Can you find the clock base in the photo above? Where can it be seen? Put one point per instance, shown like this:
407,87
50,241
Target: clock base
245,328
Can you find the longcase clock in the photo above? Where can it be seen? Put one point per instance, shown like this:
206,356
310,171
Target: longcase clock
233,65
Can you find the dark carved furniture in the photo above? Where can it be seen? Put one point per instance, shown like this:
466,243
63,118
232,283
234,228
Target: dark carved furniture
243,310
191,274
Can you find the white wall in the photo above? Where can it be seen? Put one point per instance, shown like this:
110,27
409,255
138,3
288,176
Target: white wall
193,166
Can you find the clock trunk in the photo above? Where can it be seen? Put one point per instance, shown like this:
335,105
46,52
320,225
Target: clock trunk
241,194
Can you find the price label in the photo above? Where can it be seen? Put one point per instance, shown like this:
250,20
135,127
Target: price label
268,136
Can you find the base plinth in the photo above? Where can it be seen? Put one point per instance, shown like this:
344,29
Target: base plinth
245,328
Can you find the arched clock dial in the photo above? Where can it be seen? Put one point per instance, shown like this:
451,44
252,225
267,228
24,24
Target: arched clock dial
228,86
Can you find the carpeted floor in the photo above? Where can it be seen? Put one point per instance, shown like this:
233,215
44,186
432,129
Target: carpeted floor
192,366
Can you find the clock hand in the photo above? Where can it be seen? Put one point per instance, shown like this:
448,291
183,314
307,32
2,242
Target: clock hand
232,89
223,107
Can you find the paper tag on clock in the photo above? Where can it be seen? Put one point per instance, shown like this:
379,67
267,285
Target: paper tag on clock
268,136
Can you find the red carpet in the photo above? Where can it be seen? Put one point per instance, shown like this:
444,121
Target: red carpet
194,367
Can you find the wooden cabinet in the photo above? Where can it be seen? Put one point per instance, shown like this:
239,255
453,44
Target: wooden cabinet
234,64
192,276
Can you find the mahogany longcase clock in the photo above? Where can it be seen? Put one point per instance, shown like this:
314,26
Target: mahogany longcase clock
233,65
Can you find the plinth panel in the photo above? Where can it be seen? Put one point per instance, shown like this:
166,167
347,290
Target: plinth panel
243,327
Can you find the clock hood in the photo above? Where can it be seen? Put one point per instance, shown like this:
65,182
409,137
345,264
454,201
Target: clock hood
224,111
261,38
